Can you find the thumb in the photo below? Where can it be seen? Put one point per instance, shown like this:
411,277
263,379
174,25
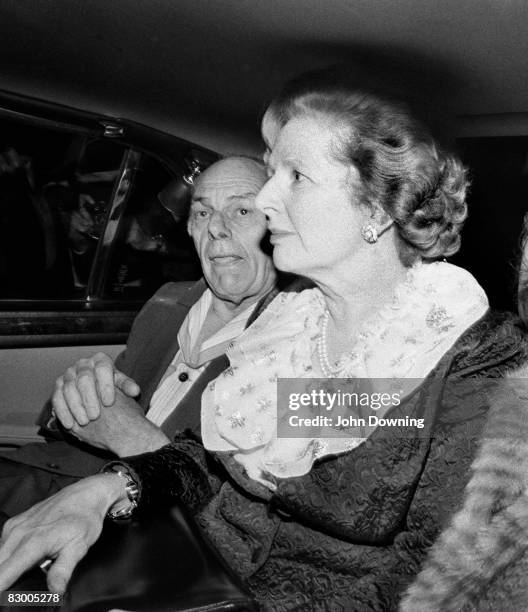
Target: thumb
127,385
62,568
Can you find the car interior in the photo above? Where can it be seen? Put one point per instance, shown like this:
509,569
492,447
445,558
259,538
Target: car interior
111,108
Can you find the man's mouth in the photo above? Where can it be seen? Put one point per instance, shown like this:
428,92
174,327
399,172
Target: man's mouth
224,260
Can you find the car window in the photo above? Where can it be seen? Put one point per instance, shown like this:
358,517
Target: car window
54,191
57,199
152,243
93,221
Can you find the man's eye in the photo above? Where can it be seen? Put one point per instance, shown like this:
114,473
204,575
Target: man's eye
243,211
201,214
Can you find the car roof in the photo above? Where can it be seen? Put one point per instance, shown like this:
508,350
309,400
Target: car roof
204,69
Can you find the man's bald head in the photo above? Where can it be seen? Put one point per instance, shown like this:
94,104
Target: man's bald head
240,169
228,230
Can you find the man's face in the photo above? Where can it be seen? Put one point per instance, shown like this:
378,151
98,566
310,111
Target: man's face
227,230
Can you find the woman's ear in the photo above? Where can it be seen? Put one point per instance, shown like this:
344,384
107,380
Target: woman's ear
381,219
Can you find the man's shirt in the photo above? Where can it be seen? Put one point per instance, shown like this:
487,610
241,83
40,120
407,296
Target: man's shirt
193,356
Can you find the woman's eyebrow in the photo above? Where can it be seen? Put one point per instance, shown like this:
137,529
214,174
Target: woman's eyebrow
296,163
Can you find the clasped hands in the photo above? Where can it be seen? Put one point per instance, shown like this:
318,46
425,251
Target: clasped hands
94,401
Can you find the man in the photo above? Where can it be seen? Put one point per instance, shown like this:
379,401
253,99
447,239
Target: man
176,346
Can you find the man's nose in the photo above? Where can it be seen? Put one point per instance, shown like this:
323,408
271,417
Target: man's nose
218,228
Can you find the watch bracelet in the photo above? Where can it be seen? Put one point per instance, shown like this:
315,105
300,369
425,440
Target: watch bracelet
132,490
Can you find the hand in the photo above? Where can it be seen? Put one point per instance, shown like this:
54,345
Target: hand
11,161
61,528
123,429
86,388
139,240
82,225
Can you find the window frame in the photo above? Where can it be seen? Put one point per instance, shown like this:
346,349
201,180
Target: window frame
91,319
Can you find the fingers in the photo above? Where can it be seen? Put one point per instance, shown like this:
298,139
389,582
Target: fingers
81,221
76,399
8,540
85,198
86,217
72,397
23,549
61,527
12,568
103,368
85,383
126,384
88,387
60,407
17,555
62,568
108,378
9,161
13,158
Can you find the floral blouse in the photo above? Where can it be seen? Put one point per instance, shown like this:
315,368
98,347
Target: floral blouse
404,339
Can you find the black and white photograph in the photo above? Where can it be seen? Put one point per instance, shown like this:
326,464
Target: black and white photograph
264,305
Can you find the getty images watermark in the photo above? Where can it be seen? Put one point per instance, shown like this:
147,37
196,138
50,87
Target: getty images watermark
402,408
338,407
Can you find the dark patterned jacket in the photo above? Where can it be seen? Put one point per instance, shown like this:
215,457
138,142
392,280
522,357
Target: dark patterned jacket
352,533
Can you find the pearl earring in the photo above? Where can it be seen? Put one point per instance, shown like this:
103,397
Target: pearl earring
369,233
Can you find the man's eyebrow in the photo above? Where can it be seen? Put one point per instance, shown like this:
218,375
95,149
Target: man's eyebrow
243,196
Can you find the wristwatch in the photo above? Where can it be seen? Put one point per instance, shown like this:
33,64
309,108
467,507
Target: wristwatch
131,488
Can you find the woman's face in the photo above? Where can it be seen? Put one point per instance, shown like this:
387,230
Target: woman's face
314,217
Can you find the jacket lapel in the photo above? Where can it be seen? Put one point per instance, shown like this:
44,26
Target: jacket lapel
158,354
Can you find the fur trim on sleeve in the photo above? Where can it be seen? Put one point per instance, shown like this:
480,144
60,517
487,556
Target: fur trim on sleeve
171,475
490,532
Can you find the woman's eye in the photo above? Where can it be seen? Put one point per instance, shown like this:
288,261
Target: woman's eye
201,214
297,176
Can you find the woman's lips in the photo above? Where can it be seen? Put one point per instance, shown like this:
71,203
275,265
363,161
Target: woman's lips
277,235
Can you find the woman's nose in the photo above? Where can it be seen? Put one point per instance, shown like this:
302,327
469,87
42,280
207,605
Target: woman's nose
266,200
218,228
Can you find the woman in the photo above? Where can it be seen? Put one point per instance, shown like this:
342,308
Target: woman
361,201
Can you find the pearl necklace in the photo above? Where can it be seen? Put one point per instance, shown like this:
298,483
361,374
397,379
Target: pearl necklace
322,348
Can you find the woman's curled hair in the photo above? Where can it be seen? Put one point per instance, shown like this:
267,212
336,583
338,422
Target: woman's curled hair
401,168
